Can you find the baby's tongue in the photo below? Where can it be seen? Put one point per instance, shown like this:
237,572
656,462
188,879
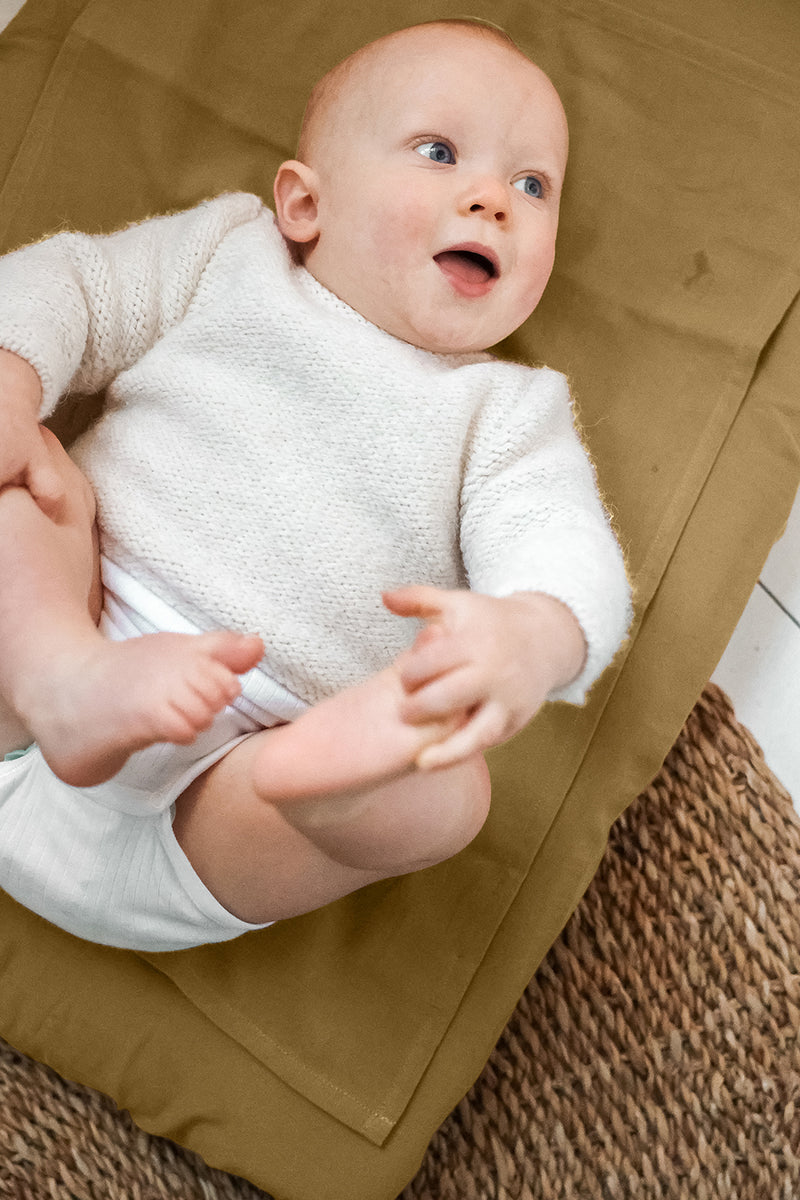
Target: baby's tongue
461,266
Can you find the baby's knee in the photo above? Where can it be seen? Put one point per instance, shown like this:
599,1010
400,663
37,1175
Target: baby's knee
471,793
478,799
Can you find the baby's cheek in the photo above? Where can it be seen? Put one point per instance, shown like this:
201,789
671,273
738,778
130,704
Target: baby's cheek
533,296
402,230
535,285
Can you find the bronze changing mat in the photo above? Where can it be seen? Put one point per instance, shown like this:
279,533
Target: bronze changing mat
317,1058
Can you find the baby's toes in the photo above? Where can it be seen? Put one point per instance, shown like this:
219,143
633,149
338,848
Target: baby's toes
215,684
173,723
192,710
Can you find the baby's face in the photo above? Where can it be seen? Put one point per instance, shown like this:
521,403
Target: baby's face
439,184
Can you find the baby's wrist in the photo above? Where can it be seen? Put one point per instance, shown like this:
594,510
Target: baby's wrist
557,637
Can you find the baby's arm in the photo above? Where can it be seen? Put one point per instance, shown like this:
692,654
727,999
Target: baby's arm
497,658
81,309
532,519
76,310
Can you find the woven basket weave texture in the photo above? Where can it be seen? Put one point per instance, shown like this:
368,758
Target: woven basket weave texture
655,1055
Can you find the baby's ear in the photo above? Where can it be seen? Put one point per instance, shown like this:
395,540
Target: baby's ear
296,194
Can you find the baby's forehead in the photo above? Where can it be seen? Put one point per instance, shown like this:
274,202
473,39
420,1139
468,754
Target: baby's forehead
409,53
365,80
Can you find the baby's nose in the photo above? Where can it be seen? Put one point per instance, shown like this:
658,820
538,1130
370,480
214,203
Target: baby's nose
488,197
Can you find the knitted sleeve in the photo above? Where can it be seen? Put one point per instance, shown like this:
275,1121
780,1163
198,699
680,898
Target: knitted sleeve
83,308
532,518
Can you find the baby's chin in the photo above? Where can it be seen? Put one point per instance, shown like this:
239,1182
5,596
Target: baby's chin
455,343
474,326
457,336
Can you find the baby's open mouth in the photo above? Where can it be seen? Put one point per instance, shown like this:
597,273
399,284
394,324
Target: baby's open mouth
471,271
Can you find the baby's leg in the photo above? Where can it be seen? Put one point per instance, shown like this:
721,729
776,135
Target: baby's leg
300,815
87,701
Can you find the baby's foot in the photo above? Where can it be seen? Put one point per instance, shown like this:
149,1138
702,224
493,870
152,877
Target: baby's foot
344,744
103,700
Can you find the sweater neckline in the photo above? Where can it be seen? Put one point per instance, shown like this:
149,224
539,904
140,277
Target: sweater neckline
317,291
325,296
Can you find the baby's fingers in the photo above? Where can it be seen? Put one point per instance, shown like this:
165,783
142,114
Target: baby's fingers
432,654
455,691
484,729
418,600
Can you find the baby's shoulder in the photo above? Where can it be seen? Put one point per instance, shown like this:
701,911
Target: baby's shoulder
507,384
239,212
242,205
520,407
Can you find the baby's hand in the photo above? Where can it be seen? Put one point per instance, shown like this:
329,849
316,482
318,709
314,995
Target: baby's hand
496,659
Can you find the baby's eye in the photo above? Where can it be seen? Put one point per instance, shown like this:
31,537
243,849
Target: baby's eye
531,186
438,152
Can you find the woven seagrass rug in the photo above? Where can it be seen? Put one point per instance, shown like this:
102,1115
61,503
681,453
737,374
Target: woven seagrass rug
656,1053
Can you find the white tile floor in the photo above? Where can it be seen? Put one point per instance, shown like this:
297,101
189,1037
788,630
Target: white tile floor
760,670
8,9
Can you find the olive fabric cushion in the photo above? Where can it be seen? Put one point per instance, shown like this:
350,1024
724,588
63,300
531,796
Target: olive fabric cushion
317,1058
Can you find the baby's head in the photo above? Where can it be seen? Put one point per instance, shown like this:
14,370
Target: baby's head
426,189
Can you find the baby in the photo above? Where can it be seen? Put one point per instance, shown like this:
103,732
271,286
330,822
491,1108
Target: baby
305,444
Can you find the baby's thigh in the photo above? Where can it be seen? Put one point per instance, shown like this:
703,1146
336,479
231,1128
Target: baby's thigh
261,867
249,857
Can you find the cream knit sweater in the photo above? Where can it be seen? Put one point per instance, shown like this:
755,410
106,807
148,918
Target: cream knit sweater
270,461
